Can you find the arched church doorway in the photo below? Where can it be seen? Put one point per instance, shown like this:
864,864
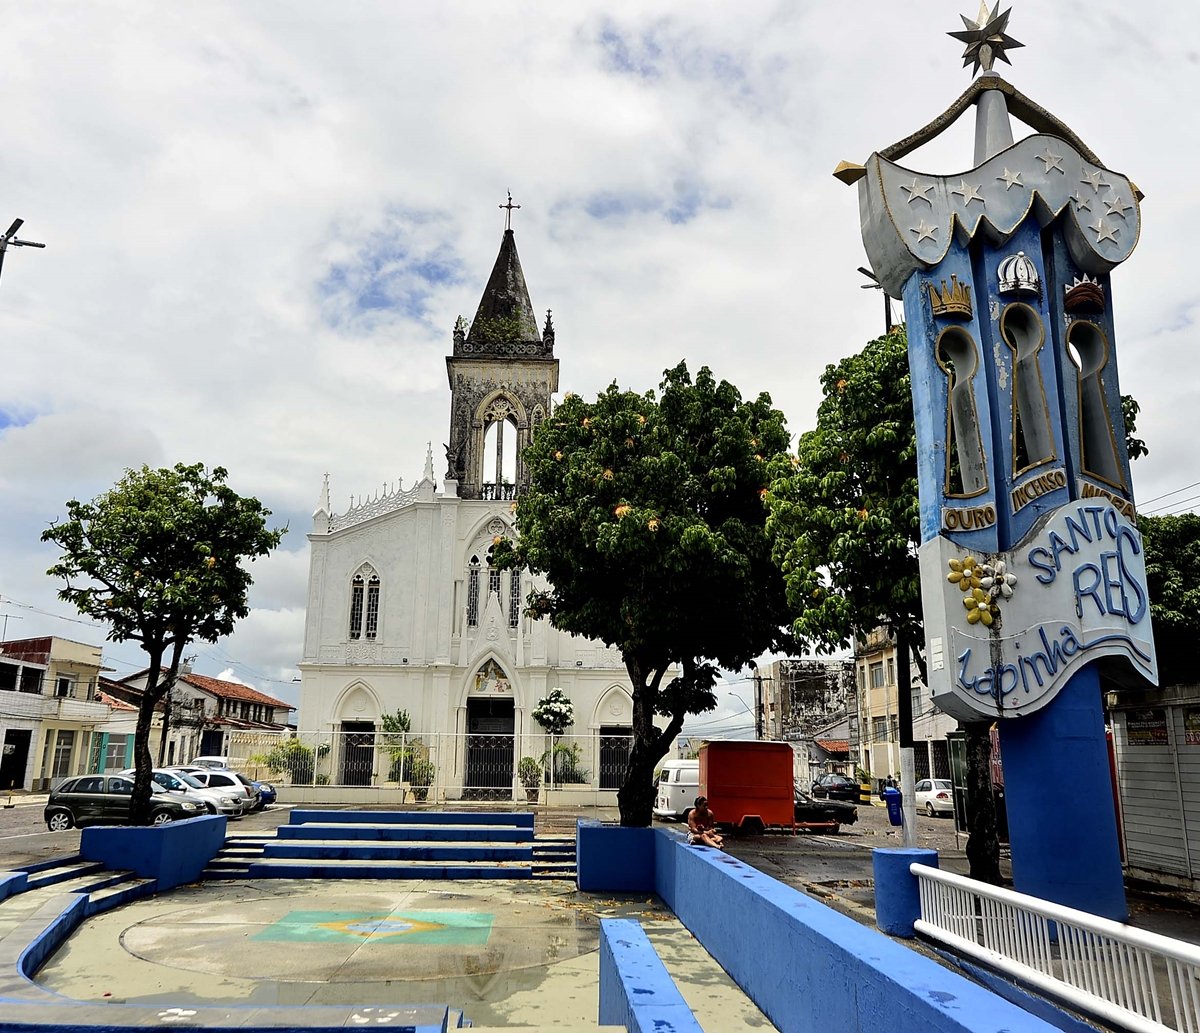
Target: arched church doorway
358,752
616,744
491,726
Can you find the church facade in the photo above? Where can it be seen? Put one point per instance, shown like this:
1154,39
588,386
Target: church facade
406,612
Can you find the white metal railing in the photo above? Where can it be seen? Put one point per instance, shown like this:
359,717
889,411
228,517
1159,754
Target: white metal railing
1132,978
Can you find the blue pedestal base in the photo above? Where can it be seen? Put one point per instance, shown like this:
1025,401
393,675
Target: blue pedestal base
897,894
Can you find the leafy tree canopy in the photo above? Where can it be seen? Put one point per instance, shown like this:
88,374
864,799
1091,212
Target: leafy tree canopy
645,515
1172,545
844,515
159,558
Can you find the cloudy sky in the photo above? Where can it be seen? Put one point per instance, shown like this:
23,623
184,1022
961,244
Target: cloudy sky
262,219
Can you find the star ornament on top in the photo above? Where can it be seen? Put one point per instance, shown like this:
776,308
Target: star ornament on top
985,38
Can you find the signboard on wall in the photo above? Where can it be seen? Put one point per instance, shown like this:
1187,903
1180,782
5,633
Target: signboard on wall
1147,727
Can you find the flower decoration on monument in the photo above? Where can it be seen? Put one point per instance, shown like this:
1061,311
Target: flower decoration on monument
983,586
554,712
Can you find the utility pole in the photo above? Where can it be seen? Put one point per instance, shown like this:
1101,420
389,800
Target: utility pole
758,701
904,715
9,239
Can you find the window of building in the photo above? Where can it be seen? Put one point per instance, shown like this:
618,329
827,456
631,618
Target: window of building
364,604
8,676
514,598
891,670
115,752
64,688
31,680
494,581
862,679
64,743
879,729
877,676
894,725
473,593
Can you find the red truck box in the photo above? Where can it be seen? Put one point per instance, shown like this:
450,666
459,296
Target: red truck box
748,783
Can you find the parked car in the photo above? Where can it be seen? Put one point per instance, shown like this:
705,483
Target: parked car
678,787
935,796
210,762
217,801
832,813
266,793
104,800
226,780
835,787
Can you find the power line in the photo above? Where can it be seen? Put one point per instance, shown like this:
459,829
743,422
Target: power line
1170,493
1169,508
9,600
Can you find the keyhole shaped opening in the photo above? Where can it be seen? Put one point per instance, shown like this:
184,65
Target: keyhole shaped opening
1088,349
966,470
1032,438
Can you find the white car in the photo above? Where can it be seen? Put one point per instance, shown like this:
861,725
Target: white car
216,801
935,796
227,781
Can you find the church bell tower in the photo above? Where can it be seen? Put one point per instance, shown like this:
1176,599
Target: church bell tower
502,375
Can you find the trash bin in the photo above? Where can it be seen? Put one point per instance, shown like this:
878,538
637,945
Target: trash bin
891,799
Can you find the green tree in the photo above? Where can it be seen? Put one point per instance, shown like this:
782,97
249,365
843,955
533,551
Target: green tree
645,515
159,558
1172,545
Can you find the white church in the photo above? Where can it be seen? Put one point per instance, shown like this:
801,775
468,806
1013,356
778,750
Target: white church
406,612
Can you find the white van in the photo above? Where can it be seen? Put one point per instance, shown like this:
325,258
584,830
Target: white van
678,787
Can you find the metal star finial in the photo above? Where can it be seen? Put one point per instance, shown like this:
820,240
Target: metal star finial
986,39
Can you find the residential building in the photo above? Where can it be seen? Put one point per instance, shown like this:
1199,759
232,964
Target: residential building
52,722
407,612
210,717
874,730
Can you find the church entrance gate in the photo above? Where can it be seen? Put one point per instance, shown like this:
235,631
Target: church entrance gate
491,724
358,752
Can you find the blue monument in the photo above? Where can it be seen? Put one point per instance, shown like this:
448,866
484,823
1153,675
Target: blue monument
1033,579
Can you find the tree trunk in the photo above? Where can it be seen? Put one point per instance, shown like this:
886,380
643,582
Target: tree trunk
635,798
983,839
166,726
139,804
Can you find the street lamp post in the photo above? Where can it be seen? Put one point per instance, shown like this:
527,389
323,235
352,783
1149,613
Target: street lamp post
9,239
758,704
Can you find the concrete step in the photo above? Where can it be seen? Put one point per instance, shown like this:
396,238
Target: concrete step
64,873
508,819
394,833
302,868
118,893
355,850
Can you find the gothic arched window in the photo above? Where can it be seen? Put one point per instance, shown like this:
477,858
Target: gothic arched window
514,598
473,592
364,604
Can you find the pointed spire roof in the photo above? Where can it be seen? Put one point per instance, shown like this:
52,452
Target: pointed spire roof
505,316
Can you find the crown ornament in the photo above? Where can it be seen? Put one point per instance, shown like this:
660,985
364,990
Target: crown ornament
954,300
1018,275
1085,295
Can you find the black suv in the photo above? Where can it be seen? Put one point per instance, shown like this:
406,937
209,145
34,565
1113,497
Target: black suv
104,800
835,787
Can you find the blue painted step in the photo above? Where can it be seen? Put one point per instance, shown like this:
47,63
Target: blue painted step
362,851
397,833
518,820
287,869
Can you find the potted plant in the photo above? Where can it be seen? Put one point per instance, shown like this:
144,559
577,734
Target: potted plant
554,712
420,777
529,771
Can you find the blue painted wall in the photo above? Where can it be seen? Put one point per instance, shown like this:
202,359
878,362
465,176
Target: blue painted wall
635,989
613,858
172,854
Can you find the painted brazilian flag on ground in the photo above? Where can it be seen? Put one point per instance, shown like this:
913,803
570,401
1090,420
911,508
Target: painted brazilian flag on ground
441,928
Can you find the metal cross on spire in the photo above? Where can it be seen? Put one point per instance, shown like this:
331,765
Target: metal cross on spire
985,38
9,239
508,211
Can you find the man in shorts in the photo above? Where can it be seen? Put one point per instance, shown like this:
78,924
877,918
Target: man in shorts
702,825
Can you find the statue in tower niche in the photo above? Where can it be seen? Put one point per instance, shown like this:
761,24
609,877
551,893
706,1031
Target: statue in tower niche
1032,570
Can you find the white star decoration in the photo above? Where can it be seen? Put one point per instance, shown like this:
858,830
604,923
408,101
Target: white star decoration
1117,206
968,193
1081,202
1095,180
917,193
1051,161
924,231
1105,232
1011,179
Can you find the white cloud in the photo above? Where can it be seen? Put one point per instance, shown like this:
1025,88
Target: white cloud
201,174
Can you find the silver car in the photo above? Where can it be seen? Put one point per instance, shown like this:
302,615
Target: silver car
216,801
226,781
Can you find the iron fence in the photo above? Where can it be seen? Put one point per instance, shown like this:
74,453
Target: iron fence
441,765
